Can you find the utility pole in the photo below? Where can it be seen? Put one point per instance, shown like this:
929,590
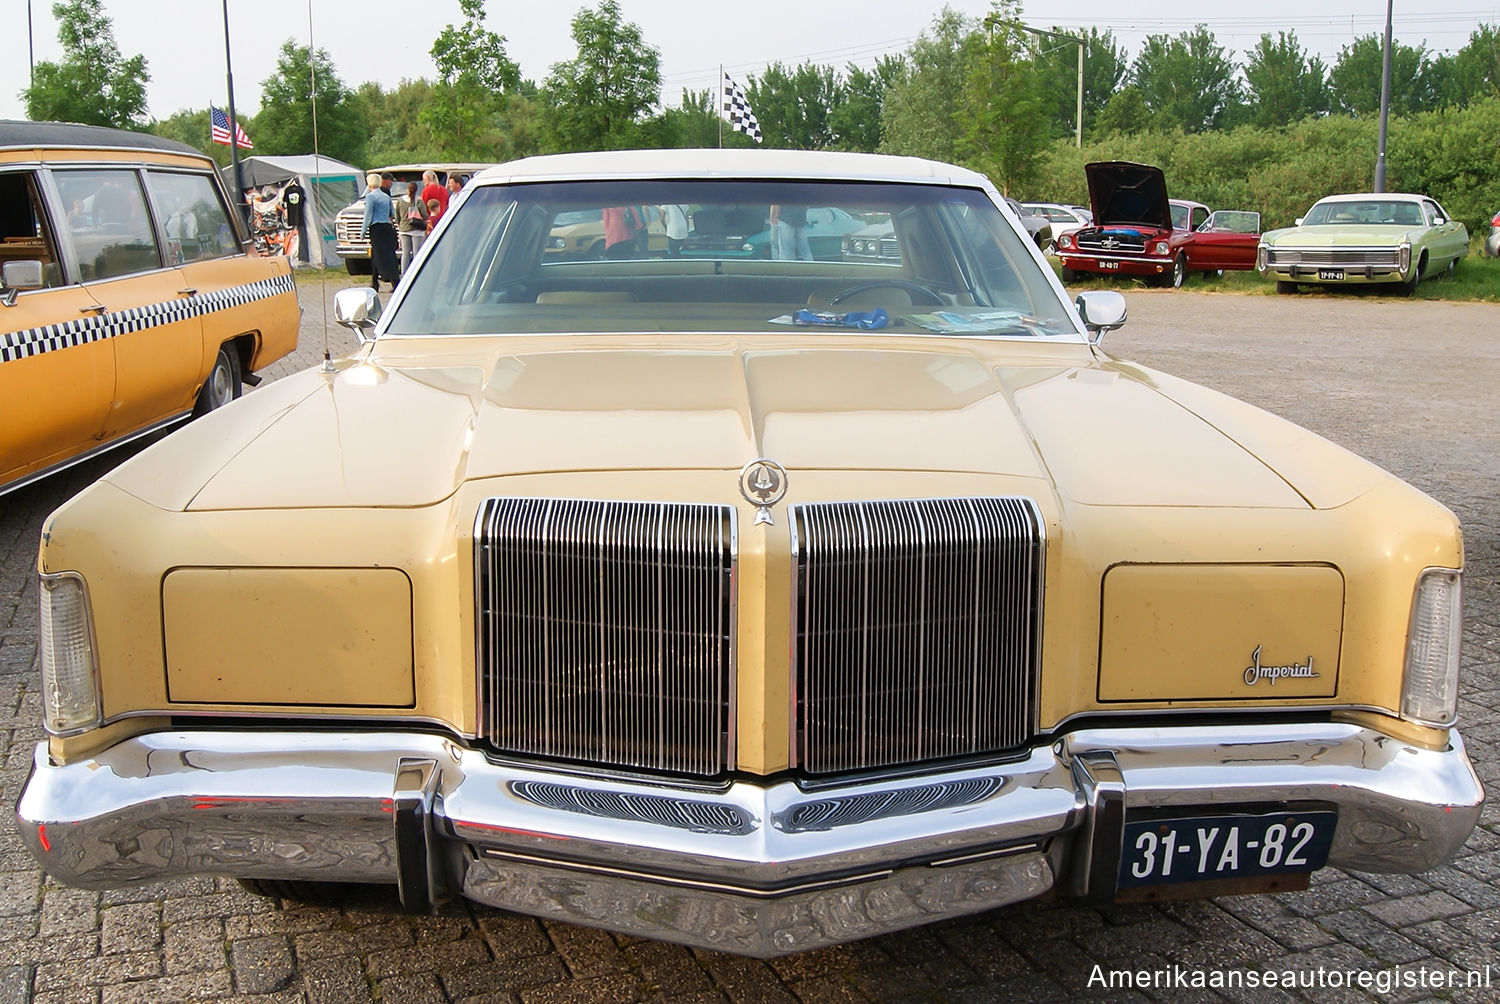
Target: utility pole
1385,102
992,21
234,127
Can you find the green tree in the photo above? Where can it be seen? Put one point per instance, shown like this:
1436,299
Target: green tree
191,126
1476,67
1104,70
1124,114
600,100
694,123
919,117
93,83
795,107
1284,84
856,120
474,74
1003,103
284,125
398,133
1355,78
1188,81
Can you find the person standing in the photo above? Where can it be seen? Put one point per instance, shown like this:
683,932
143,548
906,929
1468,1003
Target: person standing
432,190
789,233
621,224
379,227
411,224
675,222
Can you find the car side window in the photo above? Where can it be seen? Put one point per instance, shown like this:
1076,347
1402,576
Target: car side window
110,224
25,232
194,219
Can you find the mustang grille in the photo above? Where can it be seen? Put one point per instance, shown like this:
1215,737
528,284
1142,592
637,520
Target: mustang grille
604,631
916,631
1110,242
1338,257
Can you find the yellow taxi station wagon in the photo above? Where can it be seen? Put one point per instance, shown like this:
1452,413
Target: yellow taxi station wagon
127,301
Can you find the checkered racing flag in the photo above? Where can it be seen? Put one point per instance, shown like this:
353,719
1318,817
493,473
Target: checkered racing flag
737,109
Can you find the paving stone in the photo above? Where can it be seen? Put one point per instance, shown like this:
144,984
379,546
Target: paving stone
1415,909
261,965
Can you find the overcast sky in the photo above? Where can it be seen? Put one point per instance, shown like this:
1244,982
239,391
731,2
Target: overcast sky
388,40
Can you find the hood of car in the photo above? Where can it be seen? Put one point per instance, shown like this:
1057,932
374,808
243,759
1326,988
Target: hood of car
1122,193
1344,235
400,432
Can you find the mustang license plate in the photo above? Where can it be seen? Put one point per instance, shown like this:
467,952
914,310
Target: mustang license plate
1330,273
1108,265
1202,848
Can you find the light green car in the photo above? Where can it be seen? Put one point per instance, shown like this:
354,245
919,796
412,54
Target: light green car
1359,239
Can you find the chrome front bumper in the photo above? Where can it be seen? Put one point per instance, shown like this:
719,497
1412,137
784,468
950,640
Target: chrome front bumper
757,869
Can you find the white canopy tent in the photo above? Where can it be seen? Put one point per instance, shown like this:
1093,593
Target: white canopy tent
330,185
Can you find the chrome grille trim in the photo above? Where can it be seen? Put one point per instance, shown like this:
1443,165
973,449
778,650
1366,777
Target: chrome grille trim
682,813
1110,242
851,810
1338,257
605,632
916,630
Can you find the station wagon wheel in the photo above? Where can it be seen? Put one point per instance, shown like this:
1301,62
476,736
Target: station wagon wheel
1179,270
223,383
933,297
1282,286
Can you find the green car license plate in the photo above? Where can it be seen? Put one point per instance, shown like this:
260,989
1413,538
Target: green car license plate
1331,273
1203,848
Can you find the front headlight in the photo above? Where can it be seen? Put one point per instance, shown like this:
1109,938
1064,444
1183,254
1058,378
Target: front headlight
1161,248
557,243
70,672
1065,241
1429,692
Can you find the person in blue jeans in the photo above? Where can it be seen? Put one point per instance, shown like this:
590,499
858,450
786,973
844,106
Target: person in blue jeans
789,233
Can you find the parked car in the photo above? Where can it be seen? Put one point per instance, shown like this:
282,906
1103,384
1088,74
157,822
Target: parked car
1138,231
128,303
1492,243
1361,239
1063,219
579,233
753,604
1036,225
715,232
355,249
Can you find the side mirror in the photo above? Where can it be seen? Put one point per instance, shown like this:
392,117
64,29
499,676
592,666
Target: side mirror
1438,221
1102,310
16,276
1298,221
357,309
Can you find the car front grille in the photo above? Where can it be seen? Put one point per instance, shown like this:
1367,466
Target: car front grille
916,630
605,631
1111,241
347,227
1336,257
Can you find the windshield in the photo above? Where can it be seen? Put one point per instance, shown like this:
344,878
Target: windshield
731,256
1366,211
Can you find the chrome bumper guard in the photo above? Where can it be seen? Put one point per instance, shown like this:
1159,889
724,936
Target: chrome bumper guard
756,869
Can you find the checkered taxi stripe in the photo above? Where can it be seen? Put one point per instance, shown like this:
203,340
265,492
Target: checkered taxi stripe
51,337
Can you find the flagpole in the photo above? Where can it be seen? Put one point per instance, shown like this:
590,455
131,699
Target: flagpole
234,127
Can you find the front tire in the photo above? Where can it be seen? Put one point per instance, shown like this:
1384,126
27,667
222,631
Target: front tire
357,266
1409,287
1069,275
1179,271
1285,288
223,383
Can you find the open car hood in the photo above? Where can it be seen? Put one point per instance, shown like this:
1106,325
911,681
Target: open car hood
1124,193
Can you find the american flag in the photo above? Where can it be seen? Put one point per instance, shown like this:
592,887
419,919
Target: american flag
219,130
737,110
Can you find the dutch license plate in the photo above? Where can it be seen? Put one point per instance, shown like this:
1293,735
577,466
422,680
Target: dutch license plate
1109,265
1330,273
1203,848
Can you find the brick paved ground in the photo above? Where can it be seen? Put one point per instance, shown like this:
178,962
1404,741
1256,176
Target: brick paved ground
1411,385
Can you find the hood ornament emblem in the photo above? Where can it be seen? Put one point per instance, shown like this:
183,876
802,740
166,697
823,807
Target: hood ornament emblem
763,484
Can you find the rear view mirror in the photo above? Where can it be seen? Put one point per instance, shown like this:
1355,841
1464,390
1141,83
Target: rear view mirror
357,309
1102,310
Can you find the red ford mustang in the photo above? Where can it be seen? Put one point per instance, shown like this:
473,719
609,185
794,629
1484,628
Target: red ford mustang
1139,231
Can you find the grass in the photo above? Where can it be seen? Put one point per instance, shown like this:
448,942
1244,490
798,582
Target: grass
1477,279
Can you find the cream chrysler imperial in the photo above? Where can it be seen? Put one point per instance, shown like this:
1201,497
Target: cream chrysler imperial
757,604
